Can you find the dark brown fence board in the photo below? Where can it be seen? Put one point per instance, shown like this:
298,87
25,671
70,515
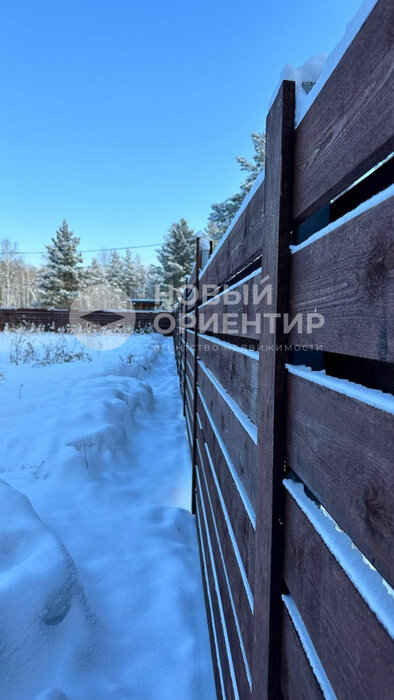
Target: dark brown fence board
348,277
190,375
240,520
272,394
241,246
348,129
355,650
190,339
238,589
228,612
235,369
210,617
298,681
60,318
193,277
241,448
223,657
189,355
189,399
339,446
342,449
242,322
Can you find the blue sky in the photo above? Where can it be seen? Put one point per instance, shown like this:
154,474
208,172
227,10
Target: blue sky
123,116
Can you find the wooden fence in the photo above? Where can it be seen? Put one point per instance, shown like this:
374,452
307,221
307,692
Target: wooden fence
55,319
291,428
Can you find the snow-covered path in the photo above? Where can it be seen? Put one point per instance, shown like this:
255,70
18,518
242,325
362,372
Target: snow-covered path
100,583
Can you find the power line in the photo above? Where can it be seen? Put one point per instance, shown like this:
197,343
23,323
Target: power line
92,250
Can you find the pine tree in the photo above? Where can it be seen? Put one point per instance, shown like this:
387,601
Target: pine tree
115,270
94,274
133,274
222,214
61,277
153,281
140,279
177,253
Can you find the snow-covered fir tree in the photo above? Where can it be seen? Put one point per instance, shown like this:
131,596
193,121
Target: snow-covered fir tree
60,279
222,214
94,274
134,276
141,273
177,254
154,282
115,269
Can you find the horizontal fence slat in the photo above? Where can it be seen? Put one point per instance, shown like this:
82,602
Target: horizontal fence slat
240,247
355,650
298,681
189,397
214,645
190,339
235,369
348,277
243,600
341,448
241,447
222,658
229,611
348,129
233,312
60,318
240,520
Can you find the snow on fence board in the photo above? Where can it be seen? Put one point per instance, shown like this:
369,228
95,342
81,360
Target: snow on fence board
235,369
291,428
234,311
348,128
231,504
347,276
233,615
240,246
298,680
352,644
342,450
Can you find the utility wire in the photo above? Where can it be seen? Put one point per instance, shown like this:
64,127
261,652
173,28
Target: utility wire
92,250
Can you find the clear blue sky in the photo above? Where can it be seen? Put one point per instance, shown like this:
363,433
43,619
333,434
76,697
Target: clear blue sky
123,116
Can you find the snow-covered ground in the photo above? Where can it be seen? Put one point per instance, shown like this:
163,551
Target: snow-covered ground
100,583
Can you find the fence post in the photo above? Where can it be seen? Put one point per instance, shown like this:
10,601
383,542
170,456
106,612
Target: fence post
271,449
195,370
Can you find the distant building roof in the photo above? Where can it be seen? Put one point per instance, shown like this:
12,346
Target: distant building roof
151,301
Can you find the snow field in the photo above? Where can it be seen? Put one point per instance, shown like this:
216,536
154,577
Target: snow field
100,582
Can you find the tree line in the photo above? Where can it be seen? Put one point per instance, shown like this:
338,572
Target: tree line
63,275
56,283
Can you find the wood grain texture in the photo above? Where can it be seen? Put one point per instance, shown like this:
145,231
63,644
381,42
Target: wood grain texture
236,372
210,618
355,650
240,521
298,681
228,611
222,659
240,247
342,450
234,315
189,398
272,394
240,446
348,128
242,603
348,277
195,379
